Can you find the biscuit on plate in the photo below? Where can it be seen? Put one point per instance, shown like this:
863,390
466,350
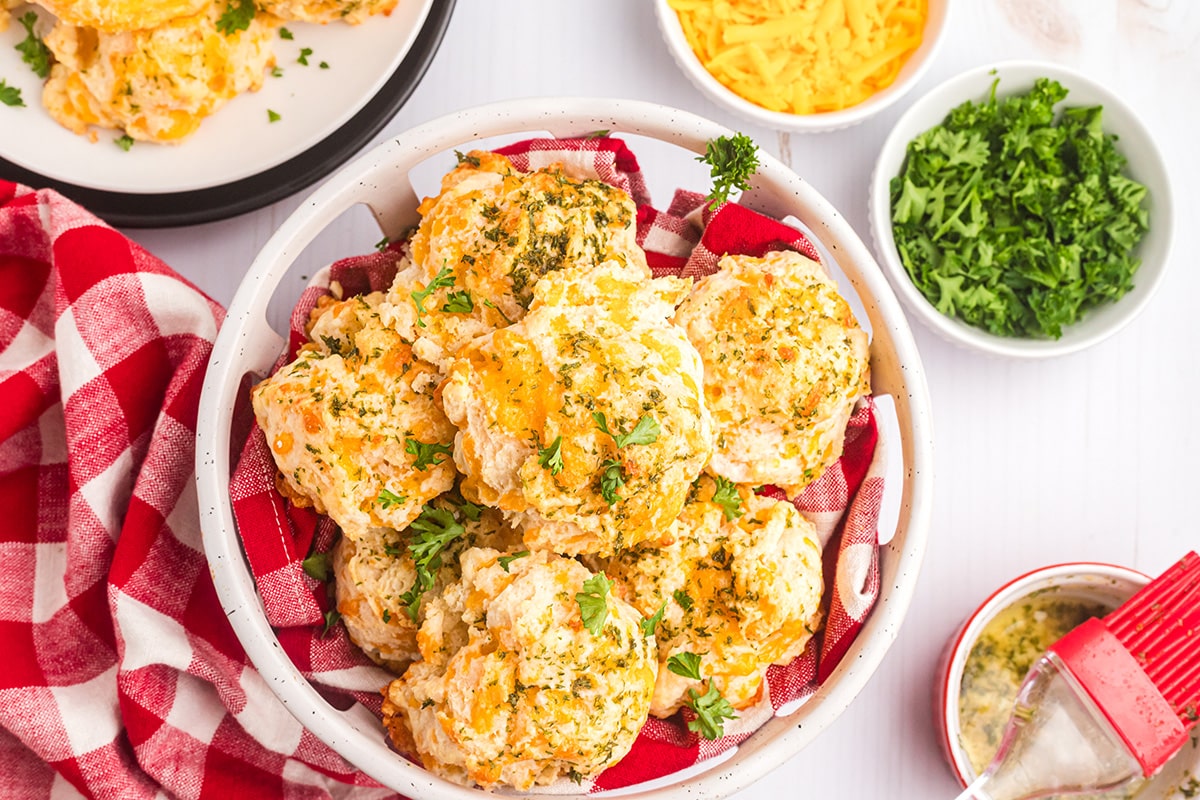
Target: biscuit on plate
156,84
323,11
115,16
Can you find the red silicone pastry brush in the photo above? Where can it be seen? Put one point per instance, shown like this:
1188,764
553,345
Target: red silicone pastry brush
1110,702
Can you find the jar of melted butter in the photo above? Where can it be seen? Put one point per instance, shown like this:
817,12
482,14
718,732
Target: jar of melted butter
985,662
1006,648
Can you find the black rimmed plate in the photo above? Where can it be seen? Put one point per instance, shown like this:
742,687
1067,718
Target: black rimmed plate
239,160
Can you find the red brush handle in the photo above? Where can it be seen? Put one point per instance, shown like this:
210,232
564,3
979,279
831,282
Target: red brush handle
1121,689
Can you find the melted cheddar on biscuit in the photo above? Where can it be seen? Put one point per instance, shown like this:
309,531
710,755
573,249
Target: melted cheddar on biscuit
353,423
585,422
159,83
487,238
377,592
784,363
514,687
741,593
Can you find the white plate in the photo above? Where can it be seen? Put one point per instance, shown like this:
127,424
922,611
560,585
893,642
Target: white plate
238,142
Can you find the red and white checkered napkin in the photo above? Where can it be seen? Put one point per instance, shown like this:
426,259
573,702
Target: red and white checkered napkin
687,239
119,675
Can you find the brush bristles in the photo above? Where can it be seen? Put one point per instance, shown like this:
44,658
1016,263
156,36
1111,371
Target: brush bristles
1160,626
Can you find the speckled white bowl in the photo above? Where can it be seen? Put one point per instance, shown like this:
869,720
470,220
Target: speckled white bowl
912,72
380,180
1134,142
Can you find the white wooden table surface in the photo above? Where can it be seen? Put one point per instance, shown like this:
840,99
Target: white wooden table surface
1087,457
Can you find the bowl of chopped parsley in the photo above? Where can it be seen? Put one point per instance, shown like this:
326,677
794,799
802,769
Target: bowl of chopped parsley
1022,209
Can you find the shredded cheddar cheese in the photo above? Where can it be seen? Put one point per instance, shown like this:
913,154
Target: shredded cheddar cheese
803,56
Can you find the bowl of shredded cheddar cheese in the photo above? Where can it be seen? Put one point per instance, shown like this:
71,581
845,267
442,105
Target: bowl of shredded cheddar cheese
803,65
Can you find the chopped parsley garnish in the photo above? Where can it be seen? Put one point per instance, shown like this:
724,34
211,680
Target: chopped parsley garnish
388,498
284,33
273,116
684,599
504,561
727,497
686,665
711,712
276,72
473,160
316,566
124,141
332,617
497,309
551,457
387,615
10,95
382,244
459,303
324,65
427,455
612,478
593,602
237,16
650,624
431,533
470,510
305,52
443,280
1014,221
731,160
33,50
644,432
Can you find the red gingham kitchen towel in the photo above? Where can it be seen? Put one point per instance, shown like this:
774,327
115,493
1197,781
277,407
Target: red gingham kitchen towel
844,503
120,677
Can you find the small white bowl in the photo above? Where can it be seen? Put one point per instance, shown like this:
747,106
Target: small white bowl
1104,584
1145,165
910,73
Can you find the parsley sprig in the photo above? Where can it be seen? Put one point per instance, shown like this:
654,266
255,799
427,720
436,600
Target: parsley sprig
237,16
427,455
727,497
650,624
459,303
431,532
34,51
612,470
712,709
685,664
612,478
387,498
731,160
644,432
316,566
551,457
443,280
593,602
504,561
10,95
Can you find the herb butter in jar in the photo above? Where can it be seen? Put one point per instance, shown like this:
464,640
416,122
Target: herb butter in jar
1006,648
986,660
